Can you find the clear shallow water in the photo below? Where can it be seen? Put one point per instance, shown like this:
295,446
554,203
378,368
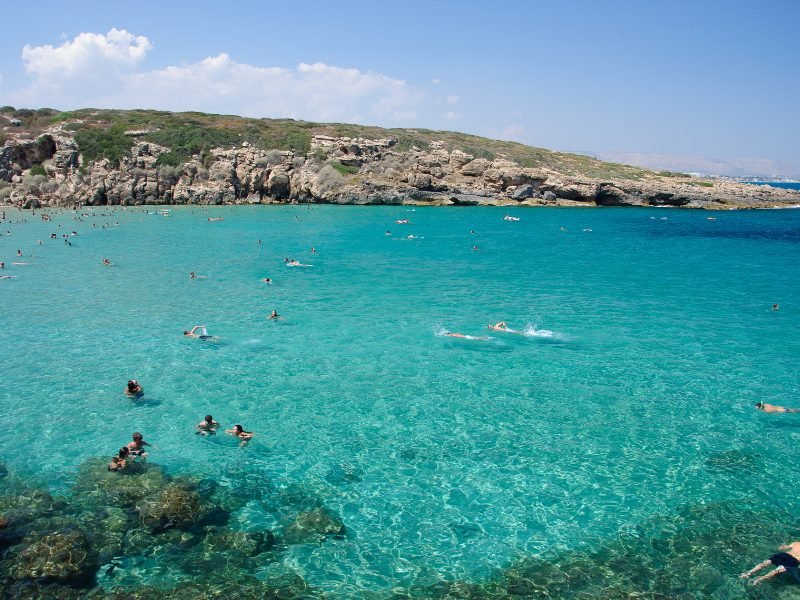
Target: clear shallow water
651,338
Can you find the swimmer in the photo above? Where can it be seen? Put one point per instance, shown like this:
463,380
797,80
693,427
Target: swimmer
133,388
274,315
775,307
192,275
402,221
259,242
313,250
786,561
136,447
772,408
474,248
267,280
208,426
388,232
239,432
198,331
501,326
120,461
19,252
466,337
2,265
106,262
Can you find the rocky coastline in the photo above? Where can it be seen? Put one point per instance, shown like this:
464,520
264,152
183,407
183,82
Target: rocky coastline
49,168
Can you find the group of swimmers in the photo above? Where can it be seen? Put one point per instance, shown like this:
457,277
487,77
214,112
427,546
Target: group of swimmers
132,451
208,426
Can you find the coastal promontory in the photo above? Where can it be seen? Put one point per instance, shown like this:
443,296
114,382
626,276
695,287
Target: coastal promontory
133,157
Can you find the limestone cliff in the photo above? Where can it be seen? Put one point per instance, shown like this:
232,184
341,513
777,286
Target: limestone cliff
49,168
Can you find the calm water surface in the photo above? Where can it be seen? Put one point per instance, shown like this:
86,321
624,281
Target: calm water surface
648,338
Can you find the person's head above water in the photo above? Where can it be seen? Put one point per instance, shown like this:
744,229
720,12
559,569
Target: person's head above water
209,418
137,436
238,428
123,452
759,404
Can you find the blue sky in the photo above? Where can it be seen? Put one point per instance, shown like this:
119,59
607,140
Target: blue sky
689,79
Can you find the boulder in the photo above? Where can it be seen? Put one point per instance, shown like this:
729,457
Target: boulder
549,196
523,191
475,168
420,181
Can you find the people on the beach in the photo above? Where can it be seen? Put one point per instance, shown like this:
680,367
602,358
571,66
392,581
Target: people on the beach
208,426
786,561
136,447
133,388
773,408
239,432
120,461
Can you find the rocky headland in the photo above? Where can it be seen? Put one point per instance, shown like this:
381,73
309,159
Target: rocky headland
95,158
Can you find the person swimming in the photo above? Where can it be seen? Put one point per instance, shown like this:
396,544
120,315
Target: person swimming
454,334
198,331
274,315
208,426
786,561
120,461
772,408
239,432
501,326
267,280
133,388
136,447
106,262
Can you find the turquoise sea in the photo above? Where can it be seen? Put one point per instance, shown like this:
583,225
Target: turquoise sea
611,447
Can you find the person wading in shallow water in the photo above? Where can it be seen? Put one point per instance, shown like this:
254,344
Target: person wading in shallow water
786,561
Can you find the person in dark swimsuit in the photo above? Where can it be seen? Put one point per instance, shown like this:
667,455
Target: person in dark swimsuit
785,561
120,461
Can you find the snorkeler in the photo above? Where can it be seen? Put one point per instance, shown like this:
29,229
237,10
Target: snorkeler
786,561
120,461
772,408
207,426
136,447
239,432
133,388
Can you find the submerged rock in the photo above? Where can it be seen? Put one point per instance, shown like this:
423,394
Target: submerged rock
313,527
95,485
176,506
61,557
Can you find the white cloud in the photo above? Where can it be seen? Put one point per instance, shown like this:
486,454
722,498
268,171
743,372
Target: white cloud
118,49
452,99
435,81
105,71
451,115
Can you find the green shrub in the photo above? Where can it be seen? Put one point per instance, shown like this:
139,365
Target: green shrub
187,140
343,169
171,159
111,143
37,170
7,109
